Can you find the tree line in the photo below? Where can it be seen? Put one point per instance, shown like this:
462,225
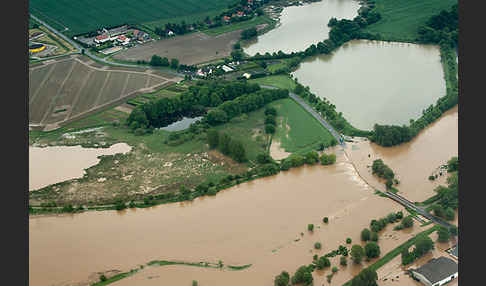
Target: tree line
191,103
441,29
227,145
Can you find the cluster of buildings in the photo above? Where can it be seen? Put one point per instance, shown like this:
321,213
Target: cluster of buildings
436,272
122,36
205,71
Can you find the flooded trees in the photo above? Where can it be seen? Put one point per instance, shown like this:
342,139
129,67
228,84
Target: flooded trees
282,279
367,277
303,275
328,159
372,250
444,234
365,234
357,253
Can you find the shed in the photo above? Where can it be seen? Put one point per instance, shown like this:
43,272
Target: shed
436,272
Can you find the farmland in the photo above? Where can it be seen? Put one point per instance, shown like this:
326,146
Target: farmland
69,88
188,49
401,19
88,15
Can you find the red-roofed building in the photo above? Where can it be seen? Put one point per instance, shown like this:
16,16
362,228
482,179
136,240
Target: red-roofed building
240,13
122,39
102,38
226,18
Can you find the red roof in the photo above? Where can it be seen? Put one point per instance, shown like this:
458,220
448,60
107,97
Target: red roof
135,32
240,13
226,17
122,38
102,37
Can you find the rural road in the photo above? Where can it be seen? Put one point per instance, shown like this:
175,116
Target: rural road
87,53
313,113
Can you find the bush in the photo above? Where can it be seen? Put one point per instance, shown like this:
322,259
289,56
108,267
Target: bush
444,234
103,278
328,159
349,240
343,261
431,177
269,129
407,222
334,269
323,262
399,215
357,253
282,279
310,227
194,283
453,230
325,220
374,236
449,214
365,234
372,250
317,245
303,275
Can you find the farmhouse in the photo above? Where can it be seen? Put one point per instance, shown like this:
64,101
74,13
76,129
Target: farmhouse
123,40
102,38
226,68
436,272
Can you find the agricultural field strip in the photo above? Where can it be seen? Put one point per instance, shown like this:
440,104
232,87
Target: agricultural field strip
54,99
48,74
98,98
108,103
76,98
125,85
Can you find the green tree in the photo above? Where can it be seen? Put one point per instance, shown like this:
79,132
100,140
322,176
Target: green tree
365,234
343,261
453,164
334,269
194,283
348,240
325,220
423,244
357,253
407,222
449,214
269,129
372,250
374,236
310,227
328,159
367,277
317,245
216,116
237,151
303,275
323,262
213,138
174,63
453,230
282,279
224,143
237,55
444,234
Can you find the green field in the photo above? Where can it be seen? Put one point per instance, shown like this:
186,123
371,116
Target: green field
401,19
88,15
297,130
280,81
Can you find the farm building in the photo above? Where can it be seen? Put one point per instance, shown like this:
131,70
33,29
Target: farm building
102,38
226,68
436,272
123,39
170,33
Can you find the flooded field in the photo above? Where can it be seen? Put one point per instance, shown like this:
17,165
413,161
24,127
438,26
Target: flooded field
392,83
302,26
54,164
412,162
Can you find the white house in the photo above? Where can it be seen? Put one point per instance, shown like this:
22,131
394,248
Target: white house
123,39
436,272
247,75
170,33
226,68
102,38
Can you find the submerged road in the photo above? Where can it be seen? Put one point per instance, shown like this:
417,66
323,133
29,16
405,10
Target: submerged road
397,198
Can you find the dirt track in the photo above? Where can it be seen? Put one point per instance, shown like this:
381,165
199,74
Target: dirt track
188,49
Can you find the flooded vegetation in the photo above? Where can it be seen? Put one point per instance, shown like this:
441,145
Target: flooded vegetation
301,26
54,164
392,83
181,124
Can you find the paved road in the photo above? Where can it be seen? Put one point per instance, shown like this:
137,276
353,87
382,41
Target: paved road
313,113
406,203
87,53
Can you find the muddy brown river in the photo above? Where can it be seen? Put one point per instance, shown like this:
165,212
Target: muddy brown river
302,26
376,82
54,164
254,223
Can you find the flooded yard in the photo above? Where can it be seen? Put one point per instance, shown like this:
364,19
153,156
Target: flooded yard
376,82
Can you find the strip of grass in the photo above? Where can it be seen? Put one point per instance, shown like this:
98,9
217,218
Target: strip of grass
280,81
238,26
115,278
401,19
305,133
392,254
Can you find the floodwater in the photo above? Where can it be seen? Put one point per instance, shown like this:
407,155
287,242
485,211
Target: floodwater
258,222
376,82
302,26
54,164
412,162
182,124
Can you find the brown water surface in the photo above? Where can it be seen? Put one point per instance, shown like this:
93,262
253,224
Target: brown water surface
376,82
258,222
54,164
302,26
